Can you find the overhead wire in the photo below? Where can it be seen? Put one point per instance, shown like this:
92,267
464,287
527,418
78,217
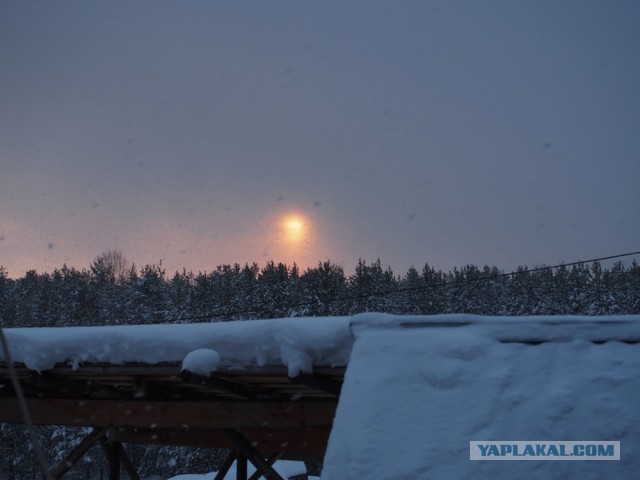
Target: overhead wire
517,272
221,309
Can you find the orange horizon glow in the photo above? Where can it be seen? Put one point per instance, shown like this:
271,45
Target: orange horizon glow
288,236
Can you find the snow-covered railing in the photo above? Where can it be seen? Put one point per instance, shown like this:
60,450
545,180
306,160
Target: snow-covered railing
296,343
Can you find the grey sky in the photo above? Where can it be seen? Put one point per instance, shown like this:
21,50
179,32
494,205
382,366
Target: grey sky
448,132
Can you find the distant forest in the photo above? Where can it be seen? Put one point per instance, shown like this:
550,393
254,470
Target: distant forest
114,292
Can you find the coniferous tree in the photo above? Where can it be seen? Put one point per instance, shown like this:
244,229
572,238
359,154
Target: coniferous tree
180,293
245,291
151,294
411,291
322,289
436,297
631,302
8,310
272,291
370,288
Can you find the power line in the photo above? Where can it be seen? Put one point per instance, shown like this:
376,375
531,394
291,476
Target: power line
517,272
395,291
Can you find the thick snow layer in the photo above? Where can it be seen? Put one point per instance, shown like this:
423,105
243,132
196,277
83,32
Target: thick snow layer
297,343
201,362
286,469
419,389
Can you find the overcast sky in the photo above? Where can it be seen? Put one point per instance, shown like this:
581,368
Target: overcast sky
448,132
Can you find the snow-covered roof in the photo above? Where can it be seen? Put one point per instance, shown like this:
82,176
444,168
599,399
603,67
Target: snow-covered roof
419,389
297,343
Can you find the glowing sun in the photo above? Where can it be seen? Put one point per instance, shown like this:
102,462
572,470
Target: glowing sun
294,227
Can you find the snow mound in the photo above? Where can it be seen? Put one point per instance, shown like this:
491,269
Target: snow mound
201,362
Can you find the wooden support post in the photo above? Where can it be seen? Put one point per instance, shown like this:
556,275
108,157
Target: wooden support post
271,460
126,461
319,382
252,454
113,459
241,467
226,465
89,441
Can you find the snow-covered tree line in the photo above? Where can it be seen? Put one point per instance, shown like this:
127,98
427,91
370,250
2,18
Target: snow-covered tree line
99,296
111,292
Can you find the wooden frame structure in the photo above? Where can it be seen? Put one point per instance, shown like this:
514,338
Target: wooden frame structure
259,413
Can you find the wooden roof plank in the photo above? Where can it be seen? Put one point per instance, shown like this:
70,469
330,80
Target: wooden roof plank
244,390
299,443
248,450
169,414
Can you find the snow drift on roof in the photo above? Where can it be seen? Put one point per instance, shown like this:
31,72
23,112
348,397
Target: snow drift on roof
419,389
297,343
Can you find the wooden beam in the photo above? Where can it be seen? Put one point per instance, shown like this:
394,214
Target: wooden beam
300,444
271,460
113,458
171,414
252,454
234,455
318,382
241,467
86,443
53,385
159,370
249,392
226,465
126,461
117,458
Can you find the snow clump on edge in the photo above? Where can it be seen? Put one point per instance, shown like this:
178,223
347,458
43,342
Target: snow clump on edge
201,362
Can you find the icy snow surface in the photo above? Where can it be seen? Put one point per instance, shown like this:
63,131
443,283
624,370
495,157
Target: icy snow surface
419,389
297,343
